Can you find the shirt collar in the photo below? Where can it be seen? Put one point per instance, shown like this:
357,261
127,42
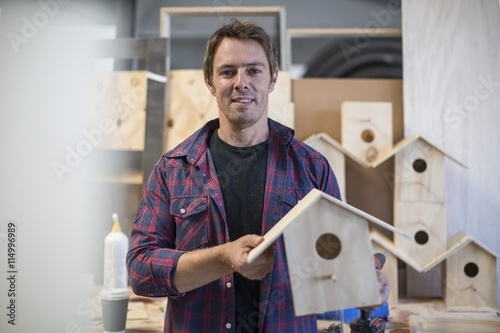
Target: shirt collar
195,146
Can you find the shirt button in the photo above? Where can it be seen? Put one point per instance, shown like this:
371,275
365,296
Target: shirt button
228,325
229,285
183,210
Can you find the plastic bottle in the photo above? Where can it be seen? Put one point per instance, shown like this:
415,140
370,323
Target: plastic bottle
115,252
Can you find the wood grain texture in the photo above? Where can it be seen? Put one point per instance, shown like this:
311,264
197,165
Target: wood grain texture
452,97
464,285
120,101
367,128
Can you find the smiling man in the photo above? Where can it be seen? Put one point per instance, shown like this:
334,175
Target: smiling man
208,202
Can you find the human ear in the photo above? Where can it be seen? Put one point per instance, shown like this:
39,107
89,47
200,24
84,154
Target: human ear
209,86
274,79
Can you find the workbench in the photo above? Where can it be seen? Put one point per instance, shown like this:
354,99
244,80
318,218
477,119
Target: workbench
408,316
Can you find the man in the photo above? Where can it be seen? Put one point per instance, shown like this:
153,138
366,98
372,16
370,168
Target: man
209,200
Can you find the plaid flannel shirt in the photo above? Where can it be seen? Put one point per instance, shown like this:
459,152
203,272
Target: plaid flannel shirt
182,210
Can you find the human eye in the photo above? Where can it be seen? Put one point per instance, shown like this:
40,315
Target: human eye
226,73
254,71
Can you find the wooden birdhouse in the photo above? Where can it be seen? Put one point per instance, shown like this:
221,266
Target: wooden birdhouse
332,239
471,276
367,129
335,154
419,198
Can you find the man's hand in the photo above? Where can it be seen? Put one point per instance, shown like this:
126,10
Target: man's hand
238,253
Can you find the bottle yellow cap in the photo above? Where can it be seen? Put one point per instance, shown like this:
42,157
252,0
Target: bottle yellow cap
116,224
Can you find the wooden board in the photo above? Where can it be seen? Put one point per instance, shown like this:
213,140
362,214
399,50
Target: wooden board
367,128
457,110
120,102
459,322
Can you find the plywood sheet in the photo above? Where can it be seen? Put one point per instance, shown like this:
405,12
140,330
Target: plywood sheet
459,322
452,98
119,109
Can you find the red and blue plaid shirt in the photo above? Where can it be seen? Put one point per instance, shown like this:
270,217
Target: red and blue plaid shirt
182,210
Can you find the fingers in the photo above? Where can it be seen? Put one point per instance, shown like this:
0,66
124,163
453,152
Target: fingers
239,252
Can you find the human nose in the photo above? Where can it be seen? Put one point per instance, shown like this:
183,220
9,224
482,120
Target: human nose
241,80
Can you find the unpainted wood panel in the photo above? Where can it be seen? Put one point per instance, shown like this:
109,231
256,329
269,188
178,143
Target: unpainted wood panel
419,175
452,98
119,109
367,128
424,222
319,284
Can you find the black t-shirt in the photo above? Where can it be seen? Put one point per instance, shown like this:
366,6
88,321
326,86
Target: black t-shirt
242,177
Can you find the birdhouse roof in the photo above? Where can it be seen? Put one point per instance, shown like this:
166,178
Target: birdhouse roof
313,196
335,144
454,244
404,143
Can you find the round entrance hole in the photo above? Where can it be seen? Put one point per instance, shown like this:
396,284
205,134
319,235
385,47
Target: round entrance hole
367,135
421,237
419,165
471,269
328,246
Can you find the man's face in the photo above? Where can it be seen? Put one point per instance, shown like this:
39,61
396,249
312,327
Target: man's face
241,82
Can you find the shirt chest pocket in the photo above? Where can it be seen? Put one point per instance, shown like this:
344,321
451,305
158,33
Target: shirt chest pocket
191,217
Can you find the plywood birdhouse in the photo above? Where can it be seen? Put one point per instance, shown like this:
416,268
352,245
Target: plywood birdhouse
419,198
333,238
367,129
471,277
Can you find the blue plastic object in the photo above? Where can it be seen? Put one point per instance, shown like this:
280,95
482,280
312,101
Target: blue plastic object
352,314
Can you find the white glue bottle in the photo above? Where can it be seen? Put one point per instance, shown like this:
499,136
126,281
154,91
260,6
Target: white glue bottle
115,252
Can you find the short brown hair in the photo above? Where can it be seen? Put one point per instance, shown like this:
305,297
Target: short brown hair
239,30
